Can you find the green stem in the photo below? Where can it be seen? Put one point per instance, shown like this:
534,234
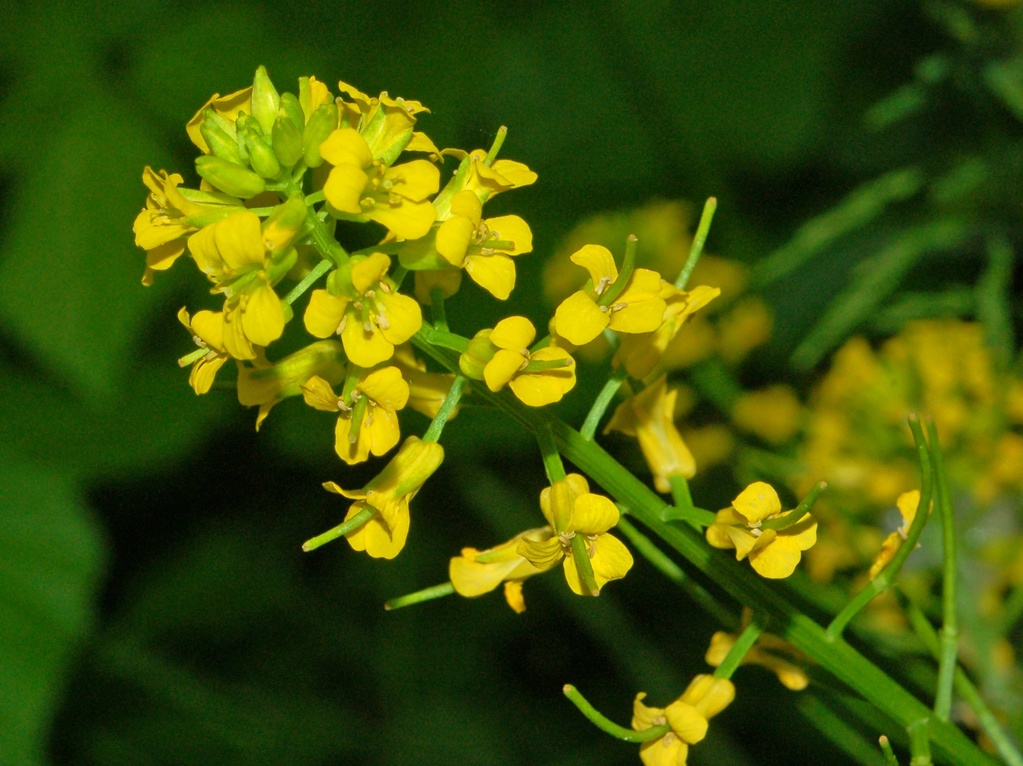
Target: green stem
680,494
663,564
789,519
581,556
884,579
495,148
435,337
920,742
949,623
683,508
739,649
426,594
188,359
702,230
628,264
964,687
447,408
608,726
344,528
437,310
552,464
602,402
315,273
324,241
889,754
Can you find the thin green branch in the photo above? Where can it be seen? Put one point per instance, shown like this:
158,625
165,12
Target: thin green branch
608,726
699,240
602,402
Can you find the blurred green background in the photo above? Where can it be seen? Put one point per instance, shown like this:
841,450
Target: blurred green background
155,607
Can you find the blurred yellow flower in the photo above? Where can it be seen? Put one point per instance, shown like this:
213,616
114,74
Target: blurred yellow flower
688,717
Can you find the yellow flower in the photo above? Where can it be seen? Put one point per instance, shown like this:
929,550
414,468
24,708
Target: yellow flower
385,122
484,248
265,384
537,378
367,411
650,417
908,503
774,413
477,572
366,189
228,107
499,176
207,328
363,307
773,553
170,215
569,506
688,717
642,353
638,308
769,652
388,495
233,254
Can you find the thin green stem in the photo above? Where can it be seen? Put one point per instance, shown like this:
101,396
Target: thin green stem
949,622
446,410
552,464
438,313
702,230
886,749
622,281
663,563
308,280
789,519
426,594
581,557
884,579
742,645
436,337
920,742
680,494
344,528
683,508
324,241
963,685
602,402
608,726
495,147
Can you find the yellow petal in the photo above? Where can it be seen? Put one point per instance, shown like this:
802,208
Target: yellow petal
466,204
263,316
415,180
511,228
381,430
757,502
345,188
208,326
239,240
324,313
367,272
502,368
365,347
494,273
203,372
376,538
686,721
386,387
319,394
351,452
453,238
403,315
611,560
778,559
407,220
513,595
599,262
346,146
579,320
513,333
593,514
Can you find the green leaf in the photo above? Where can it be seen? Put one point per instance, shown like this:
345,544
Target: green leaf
51,560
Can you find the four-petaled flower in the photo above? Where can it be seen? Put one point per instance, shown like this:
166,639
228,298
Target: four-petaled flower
773,553
638,308
388,496
484,248
571,509
687,716
363,307
207,328
367,411
361,186
477,572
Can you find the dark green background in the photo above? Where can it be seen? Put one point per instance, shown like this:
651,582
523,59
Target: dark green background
154,605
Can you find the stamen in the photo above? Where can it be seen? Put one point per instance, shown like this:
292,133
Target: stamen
602,285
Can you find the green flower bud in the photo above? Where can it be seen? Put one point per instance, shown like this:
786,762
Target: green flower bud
222,144
287,142
229,178
265,100
321,124
292,108
284,225
475,357
261,156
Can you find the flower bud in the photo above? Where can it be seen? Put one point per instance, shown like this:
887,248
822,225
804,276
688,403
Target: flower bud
229,178
261,156
265,100
292,109
475,357
287,142
221,143
321,124
284,224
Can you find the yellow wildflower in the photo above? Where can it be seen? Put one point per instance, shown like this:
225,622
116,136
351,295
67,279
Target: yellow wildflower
499,176
774,413
638,308
650,417
363,307
207,328
233,254
569,506
389,494
264,384
908,504
537,378
484,248
366,189
688,717
769,652
170,215
773,553
385,122
474,572
367,411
